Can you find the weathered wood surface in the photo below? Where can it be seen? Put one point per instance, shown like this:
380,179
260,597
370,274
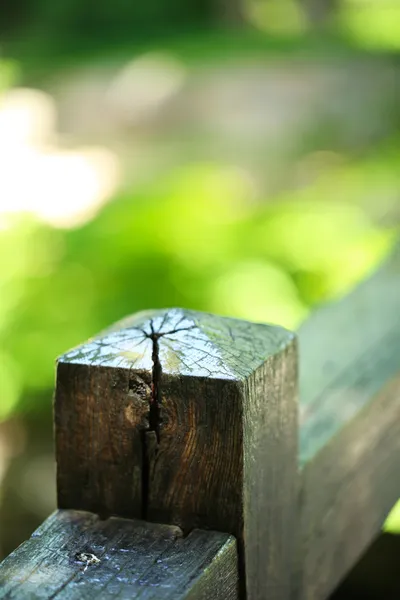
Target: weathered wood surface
349,428
189,419
137,560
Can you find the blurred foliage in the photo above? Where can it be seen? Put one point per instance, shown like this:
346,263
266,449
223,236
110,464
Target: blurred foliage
374,24
393,521
42,33
74,16
9,72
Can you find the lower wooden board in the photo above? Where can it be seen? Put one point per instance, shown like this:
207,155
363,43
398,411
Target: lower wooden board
76,556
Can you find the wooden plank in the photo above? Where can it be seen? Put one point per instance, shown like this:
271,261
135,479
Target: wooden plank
189,419
349,428
135,560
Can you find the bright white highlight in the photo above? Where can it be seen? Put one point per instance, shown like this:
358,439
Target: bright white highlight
61,188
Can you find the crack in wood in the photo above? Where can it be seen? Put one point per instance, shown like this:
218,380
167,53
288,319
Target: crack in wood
155,404
151,435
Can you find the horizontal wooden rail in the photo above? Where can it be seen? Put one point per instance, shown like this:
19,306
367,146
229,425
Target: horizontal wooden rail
190,419
349,453
76,556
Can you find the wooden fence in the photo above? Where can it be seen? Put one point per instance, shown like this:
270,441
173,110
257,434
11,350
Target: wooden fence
201,457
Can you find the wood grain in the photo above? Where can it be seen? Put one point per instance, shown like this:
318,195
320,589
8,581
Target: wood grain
207,437
137,560
100,416
349,428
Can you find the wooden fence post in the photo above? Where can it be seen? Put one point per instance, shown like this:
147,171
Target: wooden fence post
187,419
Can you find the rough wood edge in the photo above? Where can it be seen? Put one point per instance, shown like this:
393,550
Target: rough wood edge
133,559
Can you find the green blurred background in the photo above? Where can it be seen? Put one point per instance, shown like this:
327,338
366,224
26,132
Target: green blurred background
234,156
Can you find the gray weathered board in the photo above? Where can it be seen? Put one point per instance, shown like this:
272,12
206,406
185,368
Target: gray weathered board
349,427
190,419
136,560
